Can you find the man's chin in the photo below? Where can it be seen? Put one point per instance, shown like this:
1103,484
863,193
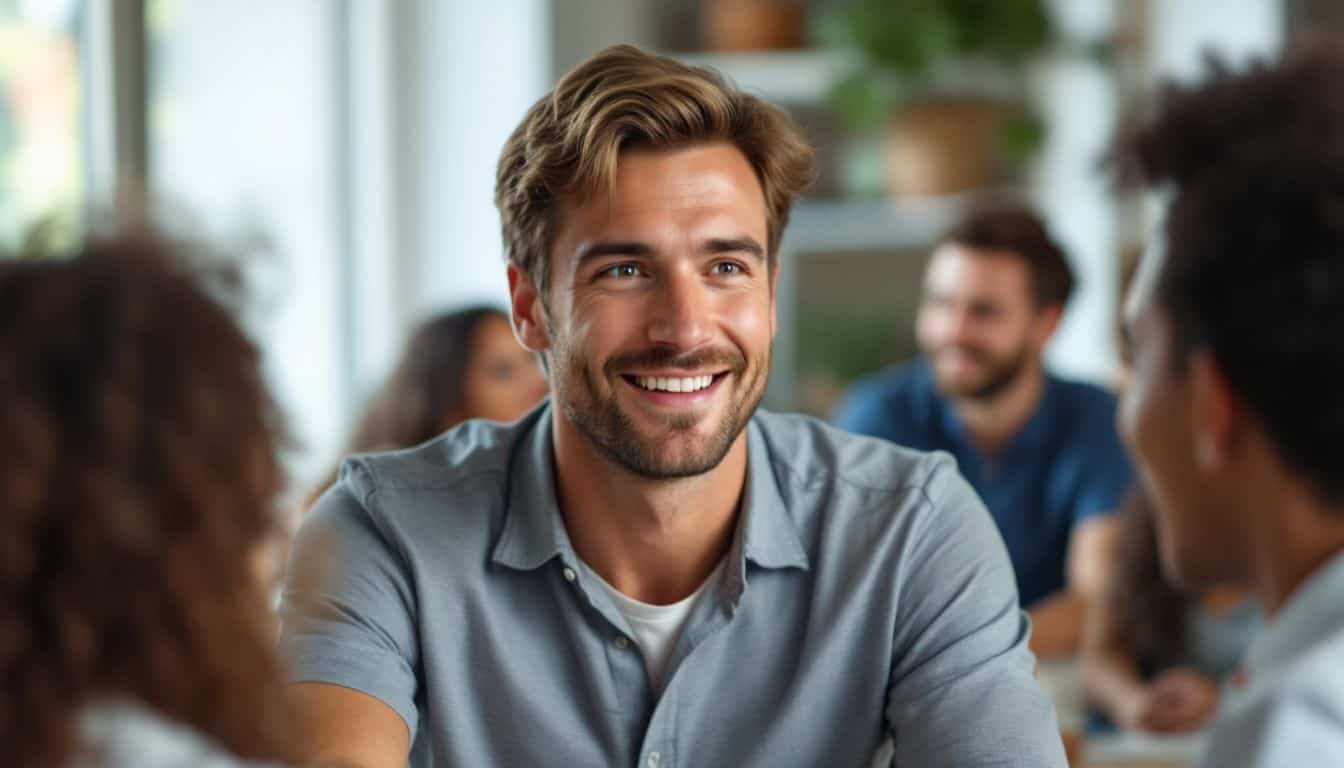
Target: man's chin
960,386
670,459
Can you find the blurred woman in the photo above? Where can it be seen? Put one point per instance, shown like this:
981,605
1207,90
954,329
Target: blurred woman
137,494
1155,657
455,366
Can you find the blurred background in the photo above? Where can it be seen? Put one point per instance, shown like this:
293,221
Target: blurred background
349,146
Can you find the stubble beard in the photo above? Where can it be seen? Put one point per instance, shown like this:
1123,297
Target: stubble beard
608,427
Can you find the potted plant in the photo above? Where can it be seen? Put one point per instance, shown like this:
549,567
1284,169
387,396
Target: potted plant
944,80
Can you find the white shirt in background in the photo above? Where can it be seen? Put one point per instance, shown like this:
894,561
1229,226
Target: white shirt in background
120,733
1290,713
655,628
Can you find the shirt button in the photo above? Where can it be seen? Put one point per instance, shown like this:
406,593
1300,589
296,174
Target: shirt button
569,574
623,643
652,760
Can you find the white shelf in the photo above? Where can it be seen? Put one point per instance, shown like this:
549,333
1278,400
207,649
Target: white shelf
785,77
819,227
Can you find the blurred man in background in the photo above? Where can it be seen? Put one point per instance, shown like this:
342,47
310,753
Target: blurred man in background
1041,451
1235,410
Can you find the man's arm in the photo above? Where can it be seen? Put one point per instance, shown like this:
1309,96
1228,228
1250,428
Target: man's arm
343,728
962,690
1057,620
349,634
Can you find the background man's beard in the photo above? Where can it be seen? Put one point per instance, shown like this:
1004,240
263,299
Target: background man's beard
1000,377
607,426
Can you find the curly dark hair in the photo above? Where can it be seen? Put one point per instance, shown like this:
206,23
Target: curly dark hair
1254,240
997,225
136,489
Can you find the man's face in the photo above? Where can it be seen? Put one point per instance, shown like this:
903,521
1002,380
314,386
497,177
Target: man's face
662,311
977,322
1161,424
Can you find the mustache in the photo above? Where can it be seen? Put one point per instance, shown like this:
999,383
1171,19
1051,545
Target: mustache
659,357
975,353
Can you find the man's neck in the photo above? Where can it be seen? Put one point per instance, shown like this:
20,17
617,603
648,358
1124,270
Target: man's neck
1298,535
653,540
991,423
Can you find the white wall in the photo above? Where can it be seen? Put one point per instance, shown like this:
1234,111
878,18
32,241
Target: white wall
361,138
242,107
472,70
1180,31
1078,99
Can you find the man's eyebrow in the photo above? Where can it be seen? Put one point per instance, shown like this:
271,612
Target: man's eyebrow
735,245
603,248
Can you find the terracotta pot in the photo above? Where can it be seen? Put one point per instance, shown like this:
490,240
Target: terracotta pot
939,148
751,25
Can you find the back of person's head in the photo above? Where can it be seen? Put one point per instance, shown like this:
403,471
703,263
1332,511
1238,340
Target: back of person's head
425,393
1253,236
136,487
569,143
1007,227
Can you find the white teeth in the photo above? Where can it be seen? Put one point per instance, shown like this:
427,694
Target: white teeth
690,384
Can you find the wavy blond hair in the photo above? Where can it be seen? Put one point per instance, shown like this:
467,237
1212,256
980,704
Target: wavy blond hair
570,141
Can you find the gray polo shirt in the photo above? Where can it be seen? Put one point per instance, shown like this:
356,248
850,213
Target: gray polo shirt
867,594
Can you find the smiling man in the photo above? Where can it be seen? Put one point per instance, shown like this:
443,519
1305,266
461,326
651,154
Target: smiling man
648,570
1042,451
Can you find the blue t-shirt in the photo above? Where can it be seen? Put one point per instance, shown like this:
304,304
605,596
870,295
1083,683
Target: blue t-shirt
1066,465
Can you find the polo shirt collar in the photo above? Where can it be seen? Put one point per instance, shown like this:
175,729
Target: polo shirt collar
766,531
534,530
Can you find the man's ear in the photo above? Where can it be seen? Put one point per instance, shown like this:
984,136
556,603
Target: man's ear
1217,415
1047,322
526,313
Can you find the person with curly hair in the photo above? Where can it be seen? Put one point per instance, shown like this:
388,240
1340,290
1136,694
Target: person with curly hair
137,491
1234,412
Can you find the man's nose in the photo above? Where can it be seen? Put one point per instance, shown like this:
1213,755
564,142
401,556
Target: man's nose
681,311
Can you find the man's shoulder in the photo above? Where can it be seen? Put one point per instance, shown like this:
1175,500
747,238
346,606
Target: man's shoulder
900,381
812,452
895,403
475,450
1082,398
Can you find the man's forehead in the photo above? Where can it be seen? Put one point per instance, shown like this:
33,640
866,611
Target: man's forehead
957,266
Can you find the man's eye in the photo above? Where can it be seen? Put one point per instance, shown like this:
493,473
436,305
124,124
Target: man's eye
727,268
620,270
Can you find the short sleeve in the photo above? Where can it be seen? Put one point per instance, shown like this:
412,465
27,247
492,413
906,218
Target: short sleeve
347,608
1106,474
962,689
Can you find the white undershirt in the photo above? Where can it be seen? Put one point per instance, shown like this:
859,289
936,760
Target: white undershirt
656,628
